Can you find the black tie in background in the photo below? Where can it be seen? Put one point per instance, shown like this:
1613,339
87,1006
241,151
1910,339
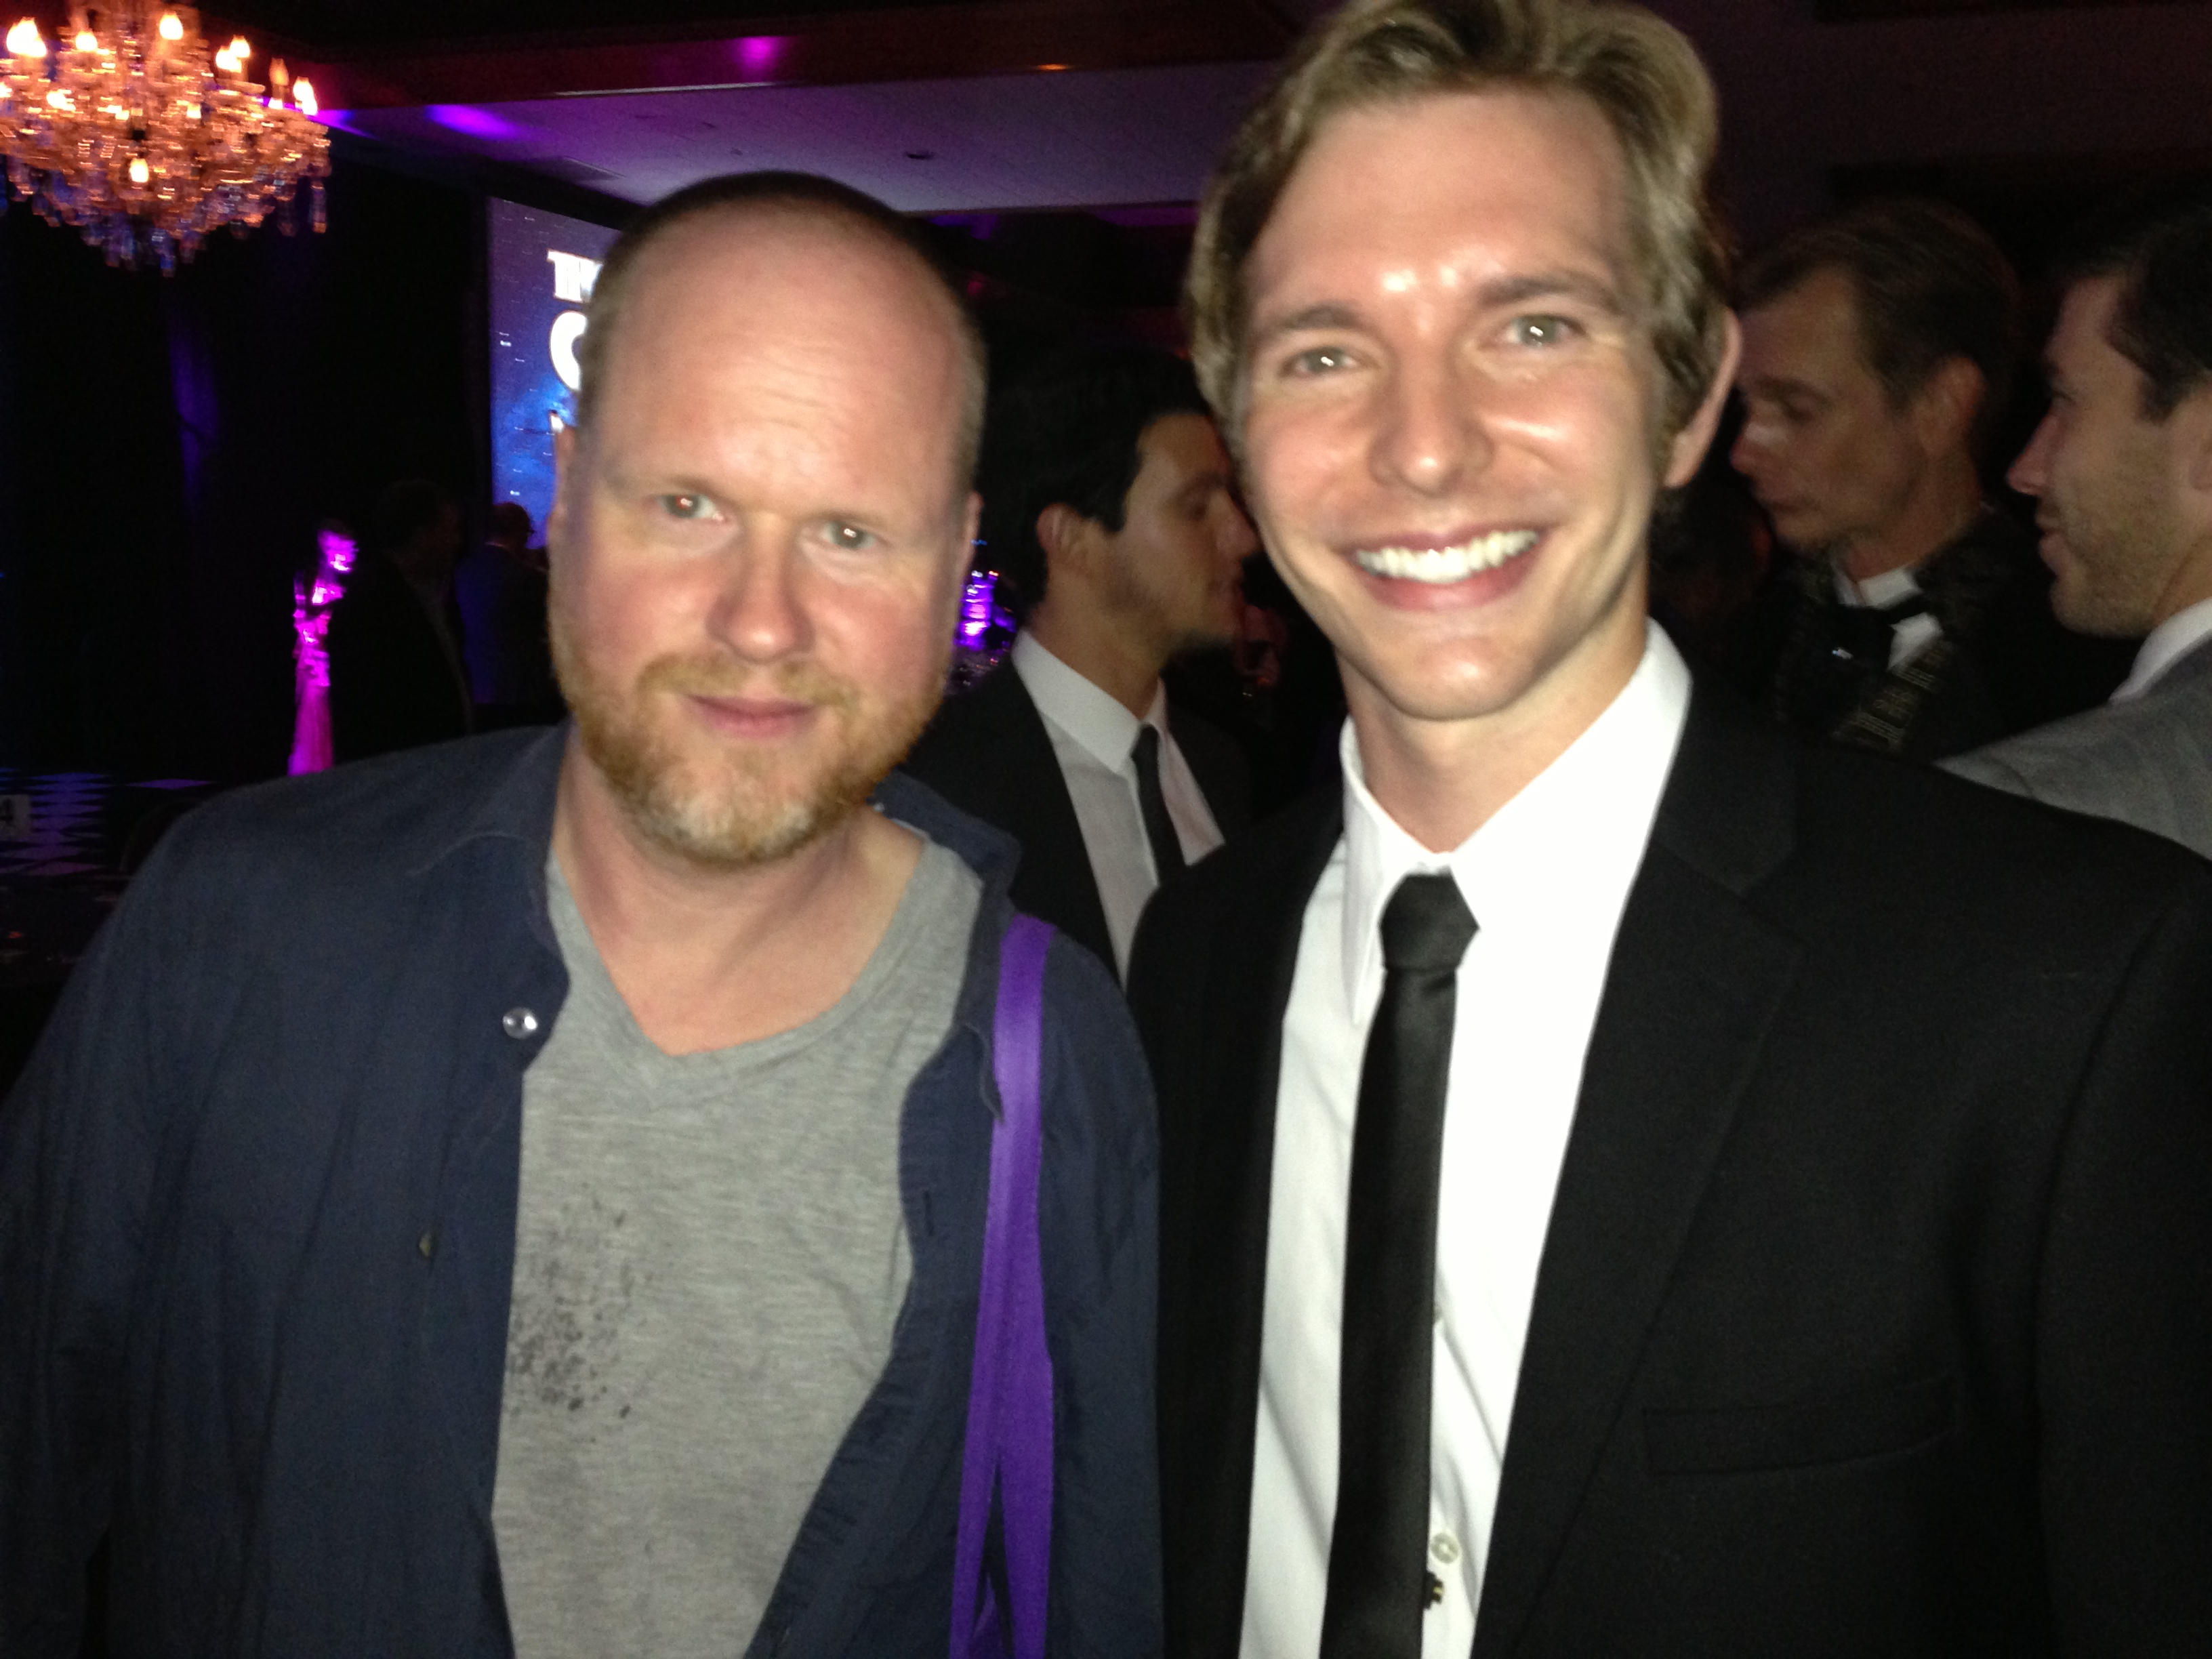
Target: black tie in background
1159,828
1378,1552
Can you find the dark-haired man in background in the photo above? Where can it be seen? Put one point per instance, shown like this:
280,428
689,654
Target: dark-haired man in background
1878,351
529,1194
501,590
1109,504
397,675
2121,469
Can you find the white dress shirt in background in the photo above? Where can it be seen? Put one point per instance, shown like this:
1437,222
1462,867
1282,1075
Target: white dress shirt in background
1095,740
1907,638
2168,643
1546,877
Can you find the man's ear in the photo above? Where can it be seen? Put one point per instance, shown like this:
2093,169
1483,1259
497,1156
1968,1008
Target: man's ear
1687,452
1065,535
565,461
2191,423
1949,402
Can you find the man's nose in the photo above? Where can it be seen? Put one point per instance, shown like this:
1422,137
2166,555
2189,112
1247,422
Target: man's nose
1748,453
1430,432
2030,473
760,611
1233,534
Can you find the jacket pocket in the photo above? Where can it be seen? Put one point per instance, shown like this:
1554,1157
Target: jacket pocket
1869,1423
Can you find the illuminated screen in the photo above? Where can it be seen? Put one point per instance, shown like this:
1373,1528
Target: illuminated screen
542,268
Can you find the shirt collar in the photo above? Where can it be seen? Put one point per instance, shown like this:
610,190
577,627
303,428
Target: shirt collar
1094,718
1877,591
1565,848
2169,642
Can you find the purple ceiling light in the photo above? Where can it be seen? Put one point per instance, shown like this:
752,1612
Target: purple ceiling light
476,122
757,56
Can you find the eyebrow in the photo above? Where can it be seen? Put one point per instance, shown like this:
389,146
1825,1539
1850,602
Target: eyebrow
1328,315
1550,284
1781,385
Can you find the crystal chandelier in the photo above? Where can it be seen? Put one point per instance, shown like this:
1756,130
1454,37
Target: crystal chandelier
135,134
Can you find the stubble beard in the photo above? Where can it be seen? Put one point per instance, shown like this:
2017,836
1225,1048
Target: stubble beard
738,817
1173,635
2118,580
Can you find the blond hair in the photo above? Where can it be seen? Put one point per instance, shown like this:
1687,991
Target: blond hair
1643,76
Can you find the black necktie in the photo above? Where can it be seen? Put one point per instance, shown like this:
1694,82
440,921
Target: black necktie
1378,1585
1159,828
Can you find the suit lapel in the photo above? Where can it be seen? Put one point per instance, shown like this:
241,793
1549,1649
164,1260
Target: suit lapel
1695,978
1053,878
1217,1145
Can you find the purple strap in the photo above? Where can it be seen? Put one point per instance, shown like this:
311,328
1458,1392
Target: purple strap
1010,1388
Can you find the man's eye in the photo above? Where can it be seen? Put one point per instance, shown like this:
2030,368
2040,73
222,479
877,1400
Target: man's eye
1319,360
1539,331
849,538
691,507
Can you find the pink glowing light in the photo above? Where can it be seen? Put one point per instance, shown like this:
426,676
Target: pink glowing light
310,658
757,56
980,611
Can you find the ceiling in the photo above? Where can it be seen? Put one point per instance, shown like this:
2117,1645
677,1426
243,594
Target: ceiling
977,106
1078,138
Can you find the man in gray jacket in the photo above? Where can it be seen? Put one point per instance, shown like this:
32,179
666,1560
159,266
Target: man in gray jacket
2122,467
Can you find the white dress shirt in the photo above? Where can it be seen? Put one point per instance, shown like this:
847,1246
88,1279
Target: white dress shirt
2168,643
1095,739
1911,636
1546,877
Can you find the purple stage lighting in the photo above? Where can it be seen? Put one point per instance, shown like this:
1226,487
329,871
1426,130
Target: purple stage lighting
310,658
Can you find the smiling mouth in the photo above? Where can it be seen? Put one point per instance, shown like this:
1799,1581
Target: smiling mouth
1439,565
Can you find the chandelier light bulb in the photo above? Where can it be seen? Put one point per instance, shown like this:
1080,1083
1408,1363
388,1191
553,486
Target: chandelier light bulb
87,41
172,27
303,97
140,172
25,41
241,49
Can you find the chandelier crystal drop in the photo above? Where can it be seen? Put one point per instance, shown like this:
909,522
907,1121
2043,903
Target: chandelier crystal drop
129,128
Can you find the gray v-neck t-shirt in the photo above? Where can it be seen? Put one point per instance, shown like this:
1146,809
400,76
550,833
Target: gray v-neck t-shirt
710,1255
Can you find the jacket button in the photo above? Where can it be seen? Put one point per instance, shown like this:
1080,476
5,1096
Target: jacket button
428,1245
519,1023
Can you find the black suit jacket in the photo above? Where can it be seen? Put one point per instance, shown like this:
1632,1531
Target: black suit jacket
393,685
989,753
1874,1316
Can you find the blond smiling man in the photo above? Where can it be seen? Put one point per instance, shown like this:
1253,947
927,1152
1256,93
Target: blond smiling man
1630,1184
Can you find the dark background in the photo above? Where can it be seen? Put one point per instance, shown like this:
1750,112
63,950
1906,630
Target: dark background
168,444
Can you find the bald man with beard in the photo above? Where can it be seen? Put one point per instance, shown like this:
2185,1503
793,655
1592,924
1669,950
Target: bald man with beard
530,1195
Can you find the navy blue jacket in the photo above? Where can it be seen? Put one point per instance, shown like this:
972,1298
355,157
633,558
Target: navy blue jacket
257,1235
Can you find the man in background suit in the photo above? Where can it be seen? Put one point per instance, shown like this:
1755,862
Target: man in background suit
2122,467
396,678
1878,349
1109,507
1630,1183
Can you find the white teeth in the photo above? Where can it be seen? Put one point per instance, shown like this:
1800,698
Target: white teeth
1446,564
